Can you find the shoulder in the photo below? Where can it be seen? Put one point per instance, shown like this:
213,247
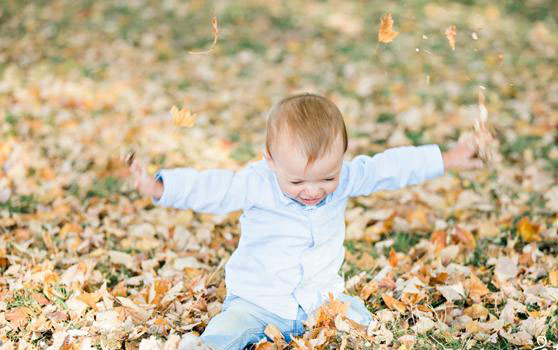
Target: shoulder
257,173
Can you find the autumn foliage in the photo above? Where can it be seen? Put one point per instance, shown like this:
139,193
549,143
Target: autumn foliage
468,260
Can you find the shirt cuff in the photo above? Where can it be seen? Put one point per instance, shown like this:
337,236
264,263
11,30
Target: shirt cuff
433,161
159,178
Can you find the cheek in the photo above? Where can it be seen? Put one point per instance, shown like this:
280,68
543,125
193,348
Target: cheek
331,186
290,189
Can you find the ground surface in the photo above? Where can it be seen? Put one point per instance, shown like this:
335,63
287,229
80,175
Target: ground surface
464,261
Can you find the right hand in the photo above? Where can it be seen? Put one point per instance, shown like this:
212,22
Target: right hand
145,184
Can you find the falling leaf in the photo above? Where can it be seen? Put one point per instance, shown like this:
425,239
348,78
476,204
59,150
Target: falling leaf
215,30
183,117
451,33
484,141
386,34
528,231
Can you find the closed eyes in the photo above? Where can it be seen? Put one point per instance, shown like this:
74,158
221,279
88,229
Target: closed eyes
299,182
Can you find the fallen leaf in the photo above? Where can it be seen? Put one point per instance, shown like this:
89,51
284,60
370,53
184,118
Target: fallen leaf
341,324
528,231
476,311
423,325
506,269
386,33
520,338
393,303
392,258
18,316
477,289
465,237
452,292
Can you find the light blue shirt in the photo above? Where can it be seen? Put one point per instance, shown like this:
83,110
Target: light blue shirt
290,254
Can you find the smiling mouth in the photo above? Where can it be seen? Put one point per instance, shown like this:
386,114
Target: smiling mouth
311,201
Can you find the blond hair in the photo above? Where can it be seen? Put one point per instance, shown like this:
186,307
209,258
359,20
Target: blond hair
312,120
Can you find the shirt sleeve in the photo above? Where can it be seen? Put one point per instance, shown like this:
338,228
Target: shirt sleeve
215,191
394,168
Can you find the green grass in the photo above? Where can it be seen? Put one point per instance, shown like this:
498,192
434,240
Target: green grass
23,204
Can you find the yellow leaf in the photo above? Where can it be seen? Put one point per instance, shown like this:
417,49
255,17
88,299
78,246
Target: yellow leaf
90,299
183,117
528,231
451,33
386,33
476,311
553,278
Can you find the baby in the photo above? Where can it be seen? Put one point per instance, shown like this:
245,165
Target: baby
293,224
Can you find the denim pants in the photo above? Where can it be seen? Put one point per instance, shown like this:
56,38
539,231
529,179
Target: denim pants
241,323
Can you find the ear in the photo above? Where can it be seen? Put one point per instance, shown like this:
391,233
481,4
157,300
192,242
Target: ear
269,160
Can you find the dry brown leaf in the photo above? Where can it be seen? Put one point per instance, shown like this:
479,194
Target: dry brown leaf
393,303
465,237
506,269
393,258
476,311
90,298
477,289
438,238
451,34
423,325
386,34
341,324
18,316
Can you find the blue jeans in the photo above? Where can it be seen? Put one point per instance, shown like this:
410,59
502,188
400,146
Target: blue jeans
241,323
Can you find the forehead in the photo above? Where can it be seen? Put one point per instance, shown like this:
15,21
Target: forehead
293,163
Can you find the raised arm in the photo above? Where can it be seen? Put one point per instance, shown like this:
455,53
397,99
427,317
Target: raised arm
394,168
216,191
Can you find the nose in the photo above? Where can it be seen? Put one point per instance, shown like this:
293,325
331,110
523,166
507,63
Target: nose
313,190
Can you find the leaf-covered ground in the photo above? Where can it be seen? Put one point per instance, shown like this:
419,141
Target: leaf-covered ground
465,261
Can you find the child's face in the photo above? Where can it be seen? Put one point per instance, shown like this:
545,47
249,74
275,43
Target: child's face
307,185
